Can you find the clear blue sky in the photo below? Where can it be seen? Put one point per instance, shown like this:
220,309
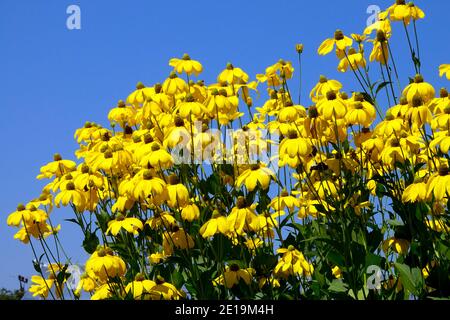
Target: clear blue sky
54,79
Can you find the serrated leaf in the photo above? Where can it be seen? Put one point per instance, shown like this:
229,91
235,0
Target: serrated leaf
337,285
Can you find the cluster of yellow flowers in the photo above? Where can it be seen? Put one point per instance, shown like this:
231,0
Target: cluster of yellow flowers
130,172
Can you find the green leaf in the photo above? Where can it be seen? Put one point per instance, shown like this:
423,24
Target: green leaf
395,223
37,264
373,260
336,258
406,277
337,285
177,279
90,242
381,86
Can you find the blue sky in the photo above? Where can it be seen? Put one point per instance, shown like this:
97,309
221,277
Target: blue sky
55,79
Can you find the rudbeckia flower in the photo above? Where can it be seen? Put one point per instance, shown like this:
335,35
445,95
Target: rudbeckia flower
163,220
360,112
190,212
165,291
71,195
354,60
28,215
185,64
438,184
341,41
444,69
419,114
292,262
324,86
380,51
178,194
437,225
140,288
174,85
58,167
122,115
217,224
332,107
284,200
423,89
442,139
40,286
131,225
401,11
138,97
256,175
233,274
233,75
400,246
241,217
177,238
103,264
150,187
415,192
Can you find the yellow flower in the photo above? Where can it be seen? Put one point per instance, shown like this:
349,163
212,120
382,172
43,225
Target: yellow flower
103,264
380,51
122,114
157,257
185,64
415,192
401,11
41,287
241,217
340,40
268,281
284,200
232,75
233,274
400,246
292,262
131,225
190,108
140,288
360,112
71,195
438,184
165,290
141,93
443,140
105,291
332,107
217,224
256,175
337,272
437,225
26,215
174,85
163,220
419,88
150,188
177,238
178,194
58,167
444,69
354,60
190,212
381,24
86,283
324,86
